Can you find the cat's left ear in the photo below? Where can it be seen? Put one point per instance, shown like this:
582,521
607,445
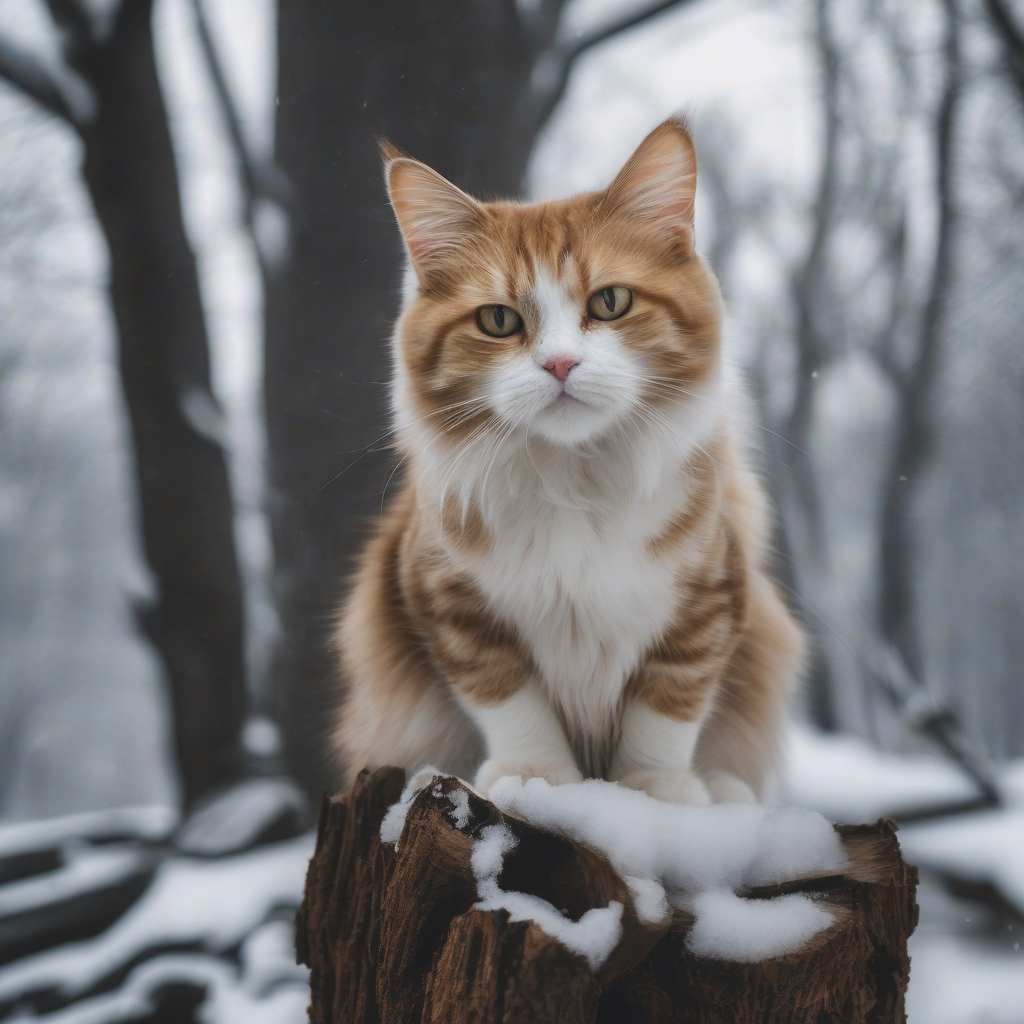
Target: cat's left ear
658,185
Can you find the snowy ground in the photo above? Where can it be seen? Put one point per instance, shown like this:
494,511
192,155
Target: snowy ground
211,932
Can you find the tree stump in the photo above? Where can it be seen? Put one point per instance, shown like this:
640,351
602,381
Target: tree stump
392,937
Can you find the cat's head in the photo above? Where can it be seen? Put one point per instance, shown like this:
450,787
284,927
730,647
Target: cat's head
566,320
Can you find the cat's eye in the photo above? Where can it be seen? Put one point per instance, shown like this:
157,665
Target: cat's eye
499,321
610,303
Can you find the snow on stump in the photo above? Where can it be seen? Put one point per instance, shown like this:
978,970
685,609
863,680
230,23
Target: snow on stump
426,904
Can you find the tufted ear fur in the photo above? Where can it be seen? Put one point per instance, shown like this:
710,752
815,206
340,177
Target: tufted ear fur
433,214
659,182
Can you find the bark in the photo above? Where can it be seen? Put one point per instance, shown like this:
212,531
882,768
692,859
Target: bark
195,619
391,935
799,501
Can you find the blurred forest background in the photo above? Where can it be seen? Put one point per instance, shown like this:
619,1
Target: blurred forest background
198,272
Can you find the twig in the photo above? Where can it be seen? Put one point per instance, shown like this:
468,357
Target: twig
926,715
1013,41
260,178
74,17
27,74
551,70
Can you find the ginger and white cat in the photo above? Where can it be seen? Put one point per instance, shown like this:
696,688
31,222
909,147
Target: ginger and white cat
571,581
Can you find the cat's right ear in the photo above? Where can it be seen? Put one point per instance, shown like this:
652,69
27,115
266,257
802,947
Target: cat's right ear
434,215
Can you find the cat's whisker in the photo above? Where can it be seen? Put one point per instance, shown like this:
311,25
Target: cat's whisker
369,448
466,447
456,456
384,494
669,384
363,452
493,455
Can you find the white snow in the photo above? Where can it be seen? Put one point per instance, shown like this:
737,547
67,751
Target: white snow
848,780
732,928
151,823
459,799
86,870
954,980
233,997
394,821
233,821
215,903
649,900
593,936
702,857
694,858
984,846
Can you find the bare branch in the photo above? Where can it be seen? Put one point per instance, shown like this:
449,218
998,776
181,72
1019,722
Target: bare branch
580,46
261,179
551,70
1013,41
74,18
31,77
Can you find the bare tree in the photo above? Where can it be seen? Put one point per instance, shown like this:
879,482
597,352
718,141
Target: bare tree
801,530
863,189
915,381
108,92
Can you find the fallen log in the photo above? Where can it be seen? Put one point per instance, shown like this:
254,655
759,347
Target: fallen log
392,933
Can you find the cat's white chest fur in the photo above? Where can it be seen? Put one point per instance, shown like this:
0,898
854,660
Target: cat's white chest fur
585,595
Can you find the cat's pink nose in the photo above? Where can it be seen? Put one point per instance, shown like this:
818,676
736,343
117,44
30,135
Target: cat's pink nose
560,366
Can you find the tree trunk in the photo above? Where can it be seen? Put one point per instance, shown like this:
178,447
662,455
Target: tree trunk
447,81
392,937
914,441
185,503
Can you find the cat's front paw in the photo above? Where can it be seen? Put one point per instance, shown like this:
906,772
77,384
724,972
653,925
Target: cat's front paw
672,787
555,772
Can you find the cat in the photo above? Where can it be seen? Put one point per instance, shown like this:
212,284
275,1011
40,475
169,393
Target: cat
572,579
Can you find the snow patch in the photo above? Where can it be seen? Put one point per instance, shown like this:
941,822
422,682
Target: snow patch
732,928
984,846
957,980
235,819
845,778
148,823
394,821
87,870
215,903
459,799
230,999
649,900
593,936
703,856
